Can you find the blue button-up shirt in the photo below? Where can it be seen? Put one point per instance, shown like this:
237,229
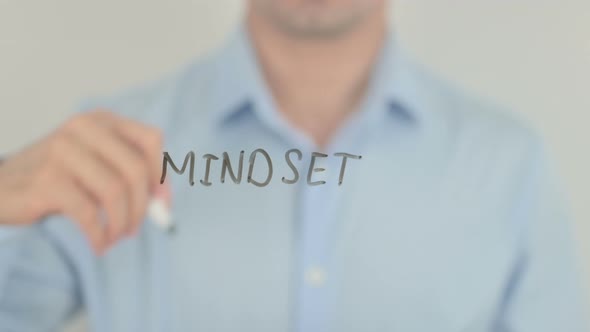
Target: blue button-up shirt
449,222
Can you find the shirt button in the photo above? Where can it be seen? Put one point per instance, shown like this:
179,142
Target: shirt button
315,276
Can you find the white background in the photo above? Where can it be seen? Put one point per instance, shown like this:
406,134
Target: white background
530,55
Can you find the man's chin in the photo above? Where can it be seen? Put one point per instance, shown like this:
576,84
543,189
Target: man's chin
317,26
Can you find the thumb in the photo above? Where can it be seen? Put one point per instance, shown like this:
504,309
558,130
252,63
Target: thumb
163,193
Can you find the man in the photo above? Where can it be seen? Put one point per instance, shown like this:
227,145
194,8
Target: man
449,222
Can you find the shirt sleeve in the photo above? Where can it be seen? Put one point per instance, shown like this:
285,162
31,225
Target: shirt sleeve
37,284
546,294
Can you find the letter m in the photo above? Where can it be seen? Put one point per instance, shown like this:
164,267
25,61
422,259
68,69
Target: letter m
190,157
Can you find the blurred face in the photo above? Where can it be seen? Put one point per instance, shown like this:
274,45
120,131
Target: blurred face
316,18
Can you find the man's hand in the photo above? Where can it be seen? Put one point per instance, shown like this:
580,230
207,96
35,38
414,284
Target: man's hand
98,169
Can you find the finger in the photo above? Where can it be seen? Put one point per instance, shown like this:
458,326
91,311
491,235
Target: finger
147,138
75,203
102,182
126,160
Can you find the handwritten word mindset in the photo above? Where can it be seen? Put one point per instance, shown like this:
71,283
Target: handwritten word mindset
257,157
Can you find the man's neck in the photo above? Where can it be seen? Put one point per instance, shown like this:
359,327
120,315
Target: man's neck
317,83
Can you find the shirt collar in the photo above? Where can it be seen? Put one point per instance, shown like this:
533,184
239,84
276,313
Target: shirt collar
238,86
237,81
